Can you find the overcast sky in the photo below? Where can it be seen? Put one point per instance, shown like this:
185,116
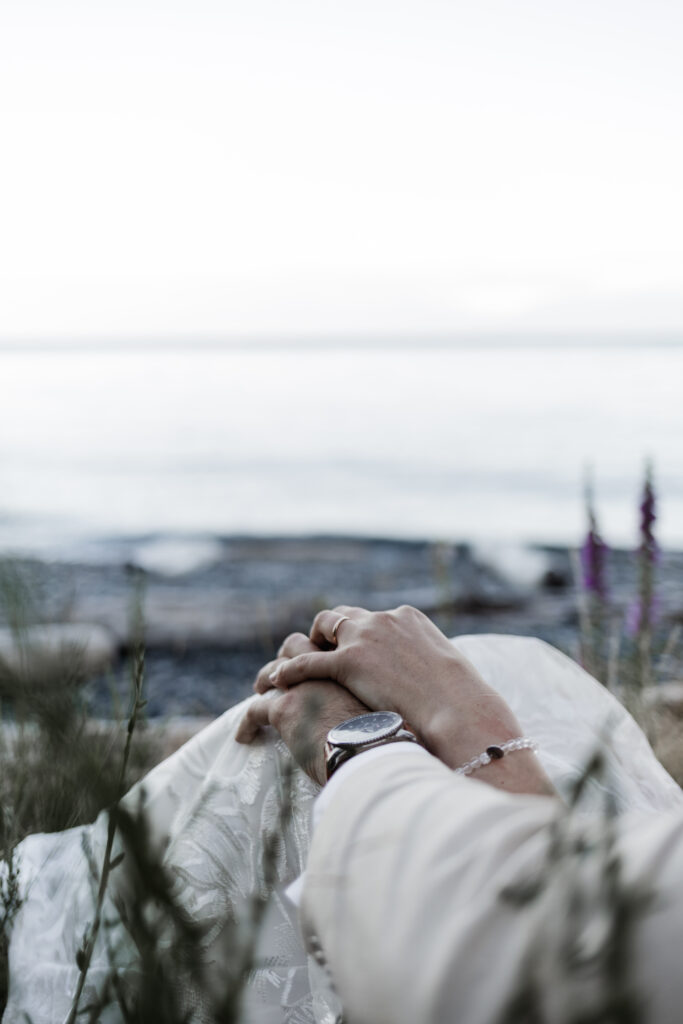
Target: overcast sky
191,168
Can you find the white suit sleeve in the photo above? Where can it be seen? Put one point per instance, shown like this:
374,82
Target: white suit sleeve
403,900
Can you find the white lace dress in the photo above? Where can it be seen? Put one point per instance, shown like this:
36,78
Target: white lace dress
212,804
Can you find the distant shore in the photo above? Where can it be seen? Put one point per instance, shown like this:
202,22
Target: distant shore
216,612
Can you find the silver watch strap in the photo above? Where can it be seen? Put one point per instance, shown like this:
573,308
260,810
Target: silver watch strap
340,755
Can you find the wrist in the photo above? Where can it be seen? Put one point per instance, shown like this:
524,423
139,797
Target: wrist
458,736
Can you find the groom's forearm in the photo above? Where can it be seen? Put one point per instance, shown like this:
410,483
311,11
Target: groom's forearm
402,885
409,889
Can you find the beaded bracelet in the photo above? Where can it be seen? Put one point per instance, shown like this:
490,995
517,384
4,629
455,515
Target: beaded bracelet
494,753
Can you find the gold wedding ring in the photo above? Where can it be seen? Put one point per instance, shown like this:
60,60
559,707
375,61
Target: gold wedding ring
336,626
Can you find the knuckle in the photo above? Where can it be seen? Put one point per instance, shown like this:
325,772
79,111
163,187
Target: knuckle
316,625
351,656
291,643
368,633
381,619
408,611
276,715
295,668
402,609
304,665
262,679
283,708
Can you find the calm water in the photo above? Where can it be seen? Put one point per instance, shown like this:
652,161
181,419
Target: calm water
482,444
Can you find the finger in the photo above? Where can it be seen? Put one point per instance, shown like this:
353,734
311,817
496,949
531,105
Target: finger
255,717
295,643
319,665
323,629
262,682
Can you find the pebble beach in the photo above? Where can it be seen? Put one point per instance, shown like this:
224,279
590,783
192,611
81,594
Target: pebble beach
214,614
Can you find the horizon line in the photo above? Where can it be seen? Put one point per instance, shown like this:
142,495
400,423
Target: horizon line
375,340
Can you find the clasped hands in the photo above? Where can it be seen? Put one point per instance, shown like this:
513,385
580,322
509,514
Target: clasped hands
392,660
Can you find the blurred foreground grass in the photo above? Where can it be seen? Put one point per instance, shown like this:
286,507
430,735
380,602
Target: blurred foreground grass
59,769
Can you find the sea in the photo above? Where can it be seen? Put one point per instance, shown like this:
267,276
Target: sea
489,443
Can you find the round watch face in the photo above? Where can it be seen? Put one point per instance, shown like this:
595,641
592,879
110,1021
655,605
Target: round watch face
365,729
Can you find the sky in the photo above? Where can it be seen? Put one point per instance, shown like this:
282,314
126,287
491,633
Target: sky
348,167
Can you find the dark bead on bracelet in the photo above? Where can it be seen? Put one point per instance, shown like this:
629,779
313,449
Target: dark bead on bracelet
495,753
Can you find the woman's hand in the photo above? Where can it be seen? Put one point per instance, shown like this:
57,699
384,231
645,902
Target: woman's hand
303,715
398,660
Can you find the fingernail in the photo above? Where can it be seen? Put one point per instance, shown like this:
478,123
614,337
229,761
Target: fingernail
274,676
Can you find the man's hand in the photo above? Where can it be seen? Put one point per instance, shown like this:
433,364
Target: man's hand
303,715
398,660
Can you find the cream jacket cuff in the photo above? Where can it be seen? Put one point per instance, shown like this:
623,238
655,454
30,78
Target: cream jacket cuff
361,762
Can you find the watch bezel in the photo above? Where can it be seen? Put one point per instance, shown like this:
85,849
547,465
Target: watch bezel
346,737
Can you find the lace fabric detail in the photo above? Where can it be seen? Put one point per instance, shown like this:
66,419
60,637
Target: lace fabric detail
209,809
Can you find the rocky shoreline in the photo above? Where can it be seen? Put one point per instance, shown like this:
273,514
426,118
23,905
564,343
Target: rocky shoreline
212,621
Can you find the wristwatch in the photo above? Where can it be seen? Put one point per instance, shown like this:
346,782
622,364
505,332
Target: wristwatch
363,733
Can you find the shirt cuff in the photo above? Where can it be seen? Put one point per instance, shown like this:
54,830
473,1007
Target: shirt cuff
360,762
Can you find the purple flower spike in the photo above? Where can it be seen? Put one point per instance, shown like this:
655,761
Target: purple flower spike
594,562
645,616
648,517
